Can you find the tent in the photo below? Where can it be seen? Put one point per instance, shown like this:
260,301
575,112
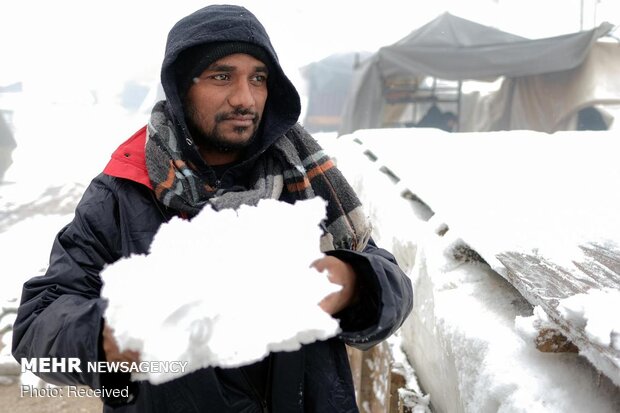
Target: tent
453,48
328,82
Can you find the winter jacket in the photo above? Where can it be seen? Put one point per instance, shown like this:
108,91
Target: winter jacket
61,312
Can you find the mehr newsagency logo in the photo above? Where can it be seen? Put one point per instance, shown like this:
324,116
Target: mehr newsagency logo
74,365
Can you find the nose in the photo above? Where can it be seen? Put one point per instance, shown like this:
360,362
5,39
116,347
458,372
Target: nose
241,95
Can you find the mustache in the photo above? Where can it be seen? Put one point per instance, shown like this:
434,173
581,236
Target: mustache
237,112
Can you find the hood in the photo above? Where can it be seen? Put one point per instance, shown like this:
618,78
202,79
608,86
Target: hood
229,23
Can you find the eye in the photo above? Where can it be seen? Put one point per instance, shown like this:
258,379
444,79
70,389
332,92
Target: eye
258,79
221,76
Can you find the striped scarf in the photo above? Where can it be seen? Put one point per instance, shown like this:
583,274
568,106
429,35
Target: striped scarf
295,163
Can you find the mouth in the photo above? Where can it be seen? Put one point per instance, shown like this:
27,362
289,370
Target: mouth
240,120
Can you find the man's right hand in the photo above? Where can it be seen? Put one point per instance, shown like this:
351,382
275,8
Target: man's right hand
111,350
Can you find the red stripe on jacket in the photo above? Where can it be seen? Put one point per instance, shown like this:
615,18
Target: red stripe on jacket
128,160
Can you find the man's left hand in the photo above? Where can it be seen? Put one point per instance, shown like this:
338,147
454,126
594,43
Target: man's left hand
343,274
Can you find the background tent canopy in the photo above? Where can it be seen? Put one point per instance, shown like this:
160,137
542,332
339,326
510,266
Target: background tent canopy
453,48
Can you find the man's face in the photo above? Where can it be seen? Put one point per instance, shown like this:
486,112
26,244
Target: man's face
225,103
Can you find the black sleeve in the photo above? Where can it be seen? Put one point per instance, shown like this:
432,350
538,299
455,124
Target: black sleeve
61,312
385,297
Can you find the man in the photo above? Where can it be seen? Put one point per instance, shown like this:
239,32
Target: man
225,136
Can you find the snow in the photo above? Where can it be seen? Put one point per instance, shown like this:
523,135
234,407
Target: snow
224,289
471,335
470,357
592,310
31,238
525,184
67,142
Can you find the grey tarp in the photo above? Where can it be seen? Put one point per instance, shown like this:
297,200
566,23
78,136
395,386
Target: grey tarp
453,48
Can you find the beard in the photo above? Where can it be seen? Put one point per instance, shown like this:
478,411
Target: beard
213,138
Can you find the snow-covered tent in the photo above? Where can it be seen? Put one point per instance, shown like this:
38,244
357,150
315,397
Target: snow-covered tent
456,49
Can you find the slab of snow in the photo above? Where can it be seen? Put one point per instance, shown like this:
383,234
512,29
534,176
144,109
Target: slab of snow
518,191
470,357
224,289
461,336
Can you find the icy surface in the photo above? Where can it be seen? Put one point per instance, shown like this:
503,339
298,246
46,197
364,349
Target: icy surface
223,289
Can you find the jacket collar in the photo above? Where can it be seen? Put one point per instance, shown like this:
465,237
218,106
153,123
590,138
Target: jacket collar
128,160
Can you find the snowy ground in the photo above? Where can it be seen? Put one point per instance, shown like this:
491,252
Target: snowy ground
61,147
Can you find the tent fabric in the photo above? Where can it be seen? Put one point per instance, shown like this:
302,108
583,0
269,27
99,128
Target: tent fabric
550,102
328,82
454,48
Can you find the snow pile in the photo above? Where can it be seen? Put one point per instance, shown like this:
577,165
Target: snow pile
224,289
597,311
518,191
411,395
530,327
461,337
470,357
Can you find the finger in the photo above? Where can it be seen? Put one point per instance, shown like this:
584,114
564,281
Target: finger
332,303
327,304
320,265
129,357
110,348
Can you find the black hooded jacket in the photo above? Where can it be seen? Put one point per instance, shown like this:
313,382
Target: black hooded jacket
61,312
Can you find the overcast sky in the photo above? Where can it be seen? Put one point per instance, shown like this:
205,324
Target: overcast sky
94,43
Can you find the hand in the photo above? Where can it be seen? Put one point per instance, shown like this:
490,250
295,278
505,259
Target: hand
111,350
343,274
